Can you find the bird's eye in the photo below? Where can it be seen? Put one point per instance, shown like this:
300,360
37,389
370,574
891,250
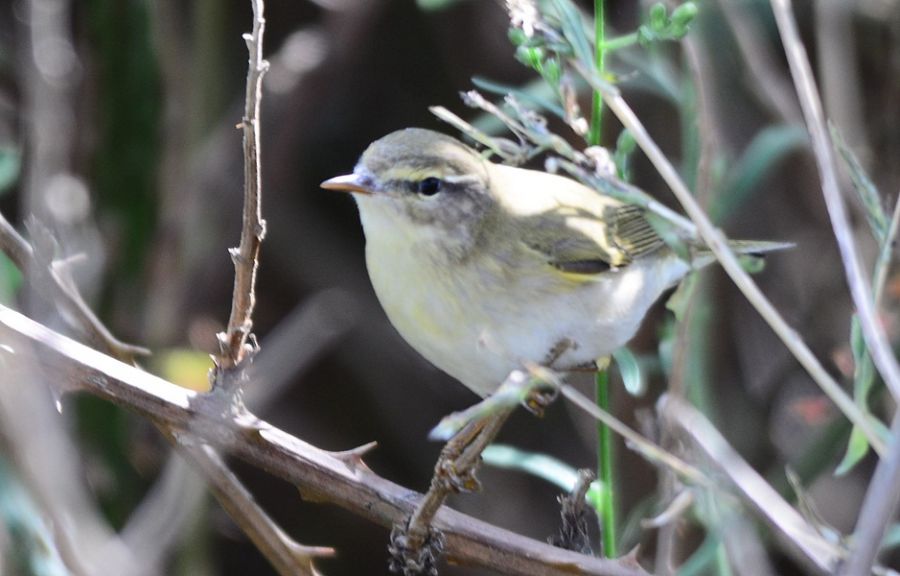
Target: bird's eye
429,186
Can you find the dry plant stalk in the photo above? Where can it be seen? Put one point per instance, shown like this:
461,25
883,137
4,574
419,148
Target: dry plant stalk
233,343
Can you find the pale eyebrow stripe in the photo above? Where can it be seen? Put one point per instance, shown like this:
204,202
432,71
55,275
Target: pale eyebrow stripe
461,179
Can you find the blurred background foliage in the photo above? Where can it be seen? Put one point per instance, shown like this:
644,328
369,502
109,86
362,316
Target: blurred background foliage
119,134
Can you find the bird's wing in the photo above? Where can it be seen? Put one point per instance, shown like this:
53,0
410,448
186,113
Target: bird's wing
587,243
570,226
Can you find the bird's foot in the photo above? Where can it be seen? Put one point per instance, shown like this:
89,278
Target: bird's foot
414,554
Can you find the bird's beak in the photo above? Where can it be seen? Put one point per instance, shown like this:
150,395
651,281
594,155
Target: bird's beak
349,183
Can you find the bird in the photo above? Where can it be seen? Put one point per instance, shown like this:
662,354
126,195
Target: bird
484,268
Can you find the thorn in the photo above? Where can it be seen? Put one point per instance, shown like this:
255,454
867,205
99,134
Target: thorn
630,560
676,508
353,458
310,552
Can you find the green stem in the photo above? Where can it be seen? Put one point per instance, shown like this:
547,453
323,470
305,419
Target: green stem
600,44
606,469
604,434
620,42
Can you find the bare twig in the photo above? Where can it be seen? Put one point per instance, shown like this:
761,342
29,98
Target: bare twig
882,266
67,297
799,539
318,474
860,289
55,285
881,500
695,56
319,323
878,510
233,342
839,71
717,243
157,526
288,557
768,82
47,463
51,73
635,441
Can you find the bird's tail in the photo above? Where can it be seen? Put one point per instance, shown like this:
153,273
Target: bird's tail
754,248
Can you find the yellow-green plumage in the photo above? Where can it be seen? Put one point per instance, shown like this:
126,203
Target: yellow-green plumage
482,267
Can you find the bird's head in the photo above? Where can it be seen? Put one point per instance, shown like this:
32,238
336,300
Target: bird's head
428,186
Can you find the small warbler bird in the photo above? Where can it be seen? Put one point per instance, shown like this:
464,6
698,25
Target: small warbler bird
483,267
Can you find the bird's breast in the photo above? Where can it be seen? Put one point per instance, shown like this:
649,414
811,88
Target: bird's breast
479,320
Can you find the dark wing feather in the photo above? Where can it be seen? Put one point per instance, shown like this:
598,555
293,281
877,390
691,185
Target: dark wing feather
626,236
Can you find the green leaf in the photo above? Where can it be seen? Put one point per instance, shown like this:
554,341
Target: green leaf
683,16
670,234
752,264
863,381
864,187
537,93
572,26
630,370
10,280
702,561
541,466
770,146
517,36
434,5
678,301
29,543
625,147
857,448
891,538
10,168
658,18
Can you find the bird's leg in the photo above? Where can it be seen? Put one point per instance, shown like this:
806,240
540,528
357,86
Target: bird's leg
576,516
415,546
589,367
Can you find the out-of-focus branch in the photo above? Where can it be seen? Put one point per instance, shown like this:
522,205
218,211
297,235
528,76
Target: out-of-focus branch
288,557
65,294
338,478
717,243
839,72
795,534
772,87
55,284
47,463
878,510
860,290
233,342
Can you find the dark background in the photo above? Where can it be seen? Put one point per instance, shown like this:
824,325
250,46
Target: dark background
152,96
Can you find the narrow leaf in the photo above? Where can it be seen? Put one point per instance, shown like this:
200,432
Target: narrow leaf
863,185
572,25
630,370
10,167
539,465
857,448
770,146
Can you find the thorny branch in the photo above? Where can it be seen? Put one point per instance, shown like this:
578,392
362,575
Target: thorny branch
288,557
319,475
226,487
233,343
54,283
